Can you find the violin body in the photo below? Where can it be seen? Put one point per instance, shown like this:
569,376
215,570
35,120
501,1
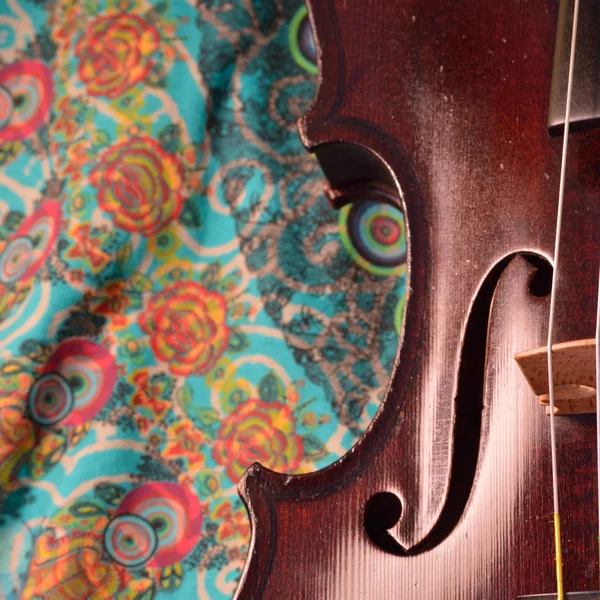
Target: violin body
443,106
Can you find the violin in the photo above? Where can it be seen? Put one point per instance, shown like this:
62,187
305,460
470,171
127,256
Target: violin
478,478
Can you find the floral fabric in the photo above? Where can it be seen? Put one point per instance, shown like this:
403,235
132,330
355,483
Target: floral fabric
177,298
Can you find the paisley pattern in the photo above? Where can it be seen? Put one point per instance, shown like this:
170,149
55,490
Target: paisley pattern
15,259
27,94
177,298
87,374
26,251
173,512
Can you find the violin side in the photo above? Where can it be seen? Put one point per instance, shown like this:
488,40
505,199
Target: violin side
448,495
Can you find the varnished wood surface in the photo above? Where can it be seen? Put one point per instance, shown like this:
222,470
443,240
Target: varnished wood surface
574,376
451,96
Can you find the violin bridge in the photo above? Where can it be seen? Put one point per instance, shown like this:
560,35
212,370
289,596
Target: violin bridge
574,366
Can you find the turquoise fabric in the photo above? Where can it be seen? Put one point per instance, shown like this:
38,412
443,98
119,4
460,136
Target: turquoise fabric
177,297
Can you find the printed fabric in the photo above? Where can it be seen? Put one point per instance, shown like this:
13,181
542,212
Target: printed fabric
177,298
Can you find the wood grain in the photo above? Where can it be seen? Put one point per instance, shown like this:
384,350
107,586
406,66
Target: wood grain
446,103
574,375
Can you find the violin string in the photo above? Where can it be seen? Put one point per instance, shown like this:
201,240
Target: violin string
598,408
561,198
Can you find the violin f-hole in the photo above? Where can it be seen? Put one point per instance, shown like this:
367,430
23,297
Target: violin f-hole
383,510
469,426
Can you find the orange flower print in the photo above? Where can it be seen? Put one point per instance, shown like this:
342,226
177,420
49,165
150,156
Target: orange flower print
147,396
77,157
140,185
112,301
188,329
87,248
66,120
185,441
143,424
231,524
115,53
258,432
74,561
17,437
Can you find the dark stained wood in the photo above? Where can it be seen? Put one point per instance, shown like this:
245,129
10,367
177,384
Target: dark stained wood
585,104
447,102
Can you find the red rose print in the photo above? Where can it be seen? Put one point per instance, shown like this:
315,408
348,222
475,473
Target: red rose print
140,185
261,432
115,53
187,327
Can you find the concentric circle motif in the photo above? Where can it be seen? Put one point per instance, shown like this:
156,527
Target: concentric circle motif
130,540
29,84
42,228
302,41
50,400
374,233
6,107
15,259
173,512
90,373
